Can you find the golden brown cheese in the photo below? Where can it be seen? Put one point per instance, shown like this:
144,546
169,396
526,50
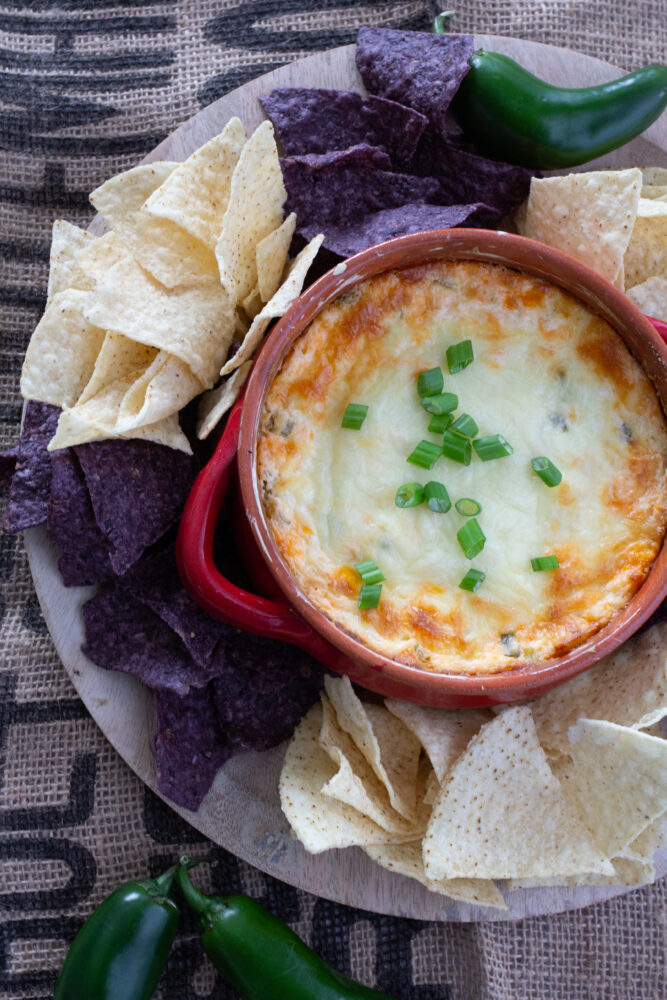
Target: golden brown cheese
553,379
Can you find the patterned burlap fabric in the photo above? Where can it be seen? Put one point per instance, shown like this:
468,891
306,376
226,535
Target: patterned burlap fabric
87,89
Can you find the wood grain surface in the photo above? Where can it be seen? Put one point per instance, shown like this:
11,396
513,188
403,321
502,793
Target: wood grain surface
241,812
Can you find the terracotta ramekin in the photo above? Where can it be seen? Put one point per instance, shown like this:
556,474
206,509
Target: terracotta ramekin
287,613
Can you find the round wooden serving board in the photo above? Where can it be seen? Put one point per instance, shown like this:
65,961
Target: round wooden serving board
242,812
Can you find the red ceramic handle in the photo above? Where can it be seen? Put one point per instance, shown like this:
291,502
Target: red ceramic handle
660,327
194,555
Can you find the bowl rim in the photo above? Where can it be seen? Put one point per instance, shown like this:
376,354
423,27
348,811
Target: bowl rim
519,253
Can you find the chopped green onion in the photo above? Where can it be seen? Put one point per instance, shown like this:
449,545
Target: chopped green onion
459,356
457,447
369,596
465,425
430,383
544,562
437,497
439,422
369,571
354,416
473,580
492,446
468,507
425,454
471,538
409,495
546,470
442,403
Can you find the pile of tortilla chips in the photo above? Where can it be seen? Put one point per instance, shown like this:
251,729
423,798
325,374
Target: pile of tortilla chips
613,220
141,320
570,789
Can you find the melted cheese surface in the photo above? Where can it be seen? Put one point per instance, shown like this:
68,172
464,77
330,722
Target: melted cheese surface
553,379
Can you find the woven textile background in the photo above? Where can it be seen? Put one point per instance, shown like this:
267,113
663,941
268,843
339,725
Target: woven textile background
86,89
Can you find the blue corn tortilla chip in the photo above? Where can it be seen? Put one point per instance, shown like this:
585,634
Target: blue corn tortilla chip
339,187
263,688
414,68
83,551
190,747
138,489
30,487
351,237
319,121
464,176
122,634
8,465
154,581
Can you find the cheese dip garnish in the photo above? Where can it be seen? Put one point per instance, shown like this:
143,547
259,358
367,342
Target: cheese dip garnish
548,376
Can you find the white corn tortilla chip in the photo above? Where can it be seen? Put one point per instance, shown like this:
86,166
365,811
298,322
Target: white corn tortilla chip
619,779
252,304
118,357
646,255
503,814
432,789
406,859
97,256
628,687
62,351
388,746
196,193
196,324
444,735
66,241
627,871
654,175
355,781
288,293
94,421
165,387
319,822
654,191
255,209
589,215
216,402
272,257
651,297
166,251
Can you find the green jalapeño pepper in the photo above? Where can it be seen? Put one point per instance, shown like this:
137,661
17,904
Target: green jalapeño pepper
260,957
122,948
516,117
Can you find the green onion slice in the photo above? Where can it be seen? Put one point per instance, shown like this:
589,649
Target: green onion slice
473,580
409,495
354,416
471,538
468,507
439,422
546,470
544,562
437,497
426,454
369,596
465,425
369,571
492,446
430,383
459,356
457,447
442,403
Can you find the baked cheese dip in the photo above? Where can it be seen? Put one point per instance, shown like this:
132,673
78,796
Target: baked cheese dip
503,539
